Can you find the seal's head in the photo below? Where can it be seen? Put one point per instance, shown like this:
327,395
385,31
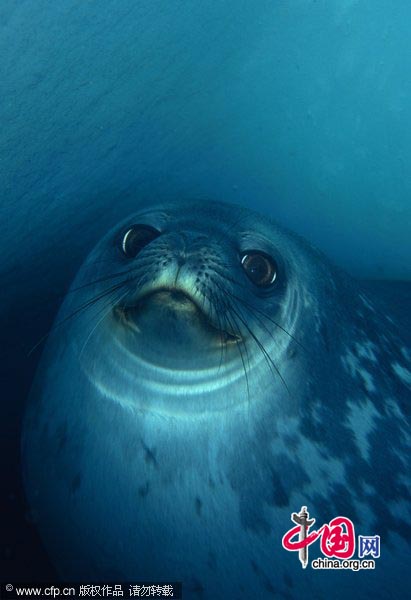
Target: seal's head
184,290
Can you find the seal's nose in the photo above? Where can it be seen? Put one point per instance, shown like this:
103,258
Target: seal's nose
185,260
186,247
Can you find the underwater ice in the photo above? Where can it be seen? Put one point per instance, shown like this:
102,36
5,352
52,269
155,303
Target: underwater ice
301,109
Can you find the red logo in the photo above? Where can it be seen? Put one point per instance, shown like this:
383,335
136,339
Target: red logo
337,537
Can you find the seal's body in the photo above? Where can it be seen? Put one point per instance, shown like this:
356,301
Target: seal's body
213,374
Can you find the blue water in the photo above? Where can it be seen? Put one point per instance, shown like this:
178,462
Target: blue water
300,109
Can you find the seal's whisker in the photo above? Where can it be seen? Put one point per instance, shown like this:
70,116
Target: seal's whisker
228,312
224,275
143,261
219,270
60,296
100,280
229,317
220,312
77,311
246,354
263,325
106,308
212,300
263,314
263,350
271,320
142,279
147,252
252,310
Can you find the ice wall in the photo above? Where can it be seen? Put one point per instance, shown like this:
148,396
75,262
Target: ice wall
300,107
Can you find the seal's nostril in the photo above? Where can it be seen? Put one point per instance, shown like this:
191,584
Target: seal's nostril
181,260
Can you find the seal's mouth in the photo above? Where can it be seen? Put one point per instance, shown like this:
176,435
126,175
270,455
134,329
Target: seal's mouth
170,320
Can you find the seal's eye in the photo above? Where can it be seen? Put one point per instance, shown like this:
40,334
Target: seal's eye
136,238
260,268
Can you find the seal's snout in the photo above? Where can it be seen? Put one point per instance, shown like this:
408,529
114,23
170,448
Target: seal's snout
166,300
173,310
171,321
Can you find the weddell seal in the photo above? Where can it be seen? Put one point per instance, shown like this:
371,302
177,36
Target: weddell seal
209,374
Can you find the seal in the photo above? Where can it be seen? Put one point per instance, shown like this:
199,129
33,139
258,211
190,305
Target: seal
209,375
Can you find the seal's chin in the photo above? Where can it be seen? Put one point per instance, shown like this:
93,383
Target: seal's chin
168,322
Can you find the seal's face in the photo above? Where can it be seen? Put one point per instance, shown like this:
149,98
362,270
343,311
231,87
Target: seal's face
183,291
189,290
